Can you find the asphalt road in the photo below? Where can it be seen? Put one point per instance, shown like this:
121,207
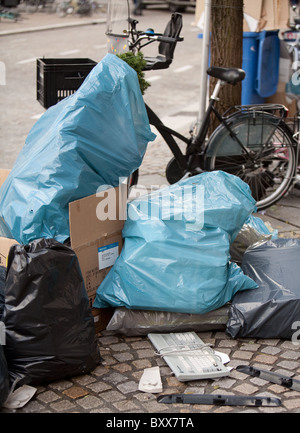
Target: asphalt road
171,91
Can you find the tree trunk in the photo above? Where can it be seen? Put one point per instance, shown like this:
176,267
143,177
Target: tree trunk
226,48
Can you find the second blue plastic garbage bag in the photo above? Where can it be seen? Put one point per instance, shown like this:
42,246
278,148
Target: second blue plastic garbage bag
176,250
89,139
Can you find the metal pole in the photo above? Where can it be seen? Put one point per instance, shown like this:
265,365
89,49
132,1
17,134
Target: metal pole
204,65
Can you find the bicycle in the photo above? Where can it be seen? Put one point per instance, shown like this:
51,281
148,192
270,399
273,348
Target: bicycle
76,7
9,14
252,142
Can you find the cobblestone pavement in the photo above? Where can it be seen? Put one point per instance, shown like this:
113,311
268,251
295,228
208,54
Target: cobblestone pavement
113,386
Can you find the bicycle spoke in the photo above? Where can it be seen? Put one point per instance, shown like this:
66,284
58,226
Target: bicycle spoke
269,171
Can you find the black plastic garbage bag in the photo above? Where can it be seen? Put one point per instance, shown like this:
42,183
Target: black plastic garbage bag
4,380
2,284
50,331
273,309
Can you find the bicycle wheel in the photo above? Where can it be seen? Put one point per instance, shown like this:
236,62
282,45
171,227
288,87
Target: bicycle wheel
173,171
266,160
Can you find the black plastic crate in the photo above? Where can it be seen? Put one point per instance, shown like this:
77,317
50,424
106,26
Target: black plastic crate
58,78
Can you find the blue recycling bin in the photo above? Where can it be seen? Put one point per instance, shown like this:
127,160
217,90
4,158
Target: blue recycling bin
261,52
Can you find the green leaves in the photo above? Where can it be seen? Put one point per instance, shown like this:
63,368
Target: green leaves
136,62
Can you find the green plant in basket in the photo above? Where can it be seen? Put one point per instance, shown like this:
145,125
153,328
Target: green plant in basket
137,62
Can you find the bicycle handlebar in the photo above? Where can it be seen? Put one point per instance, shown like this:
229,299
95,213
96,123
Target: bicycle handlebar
158,37
140,39
154,37
166,39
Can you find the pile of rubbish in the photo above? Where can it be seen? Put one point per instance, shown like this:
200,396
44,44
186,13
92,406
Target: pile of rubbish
194,256
224,271
77,146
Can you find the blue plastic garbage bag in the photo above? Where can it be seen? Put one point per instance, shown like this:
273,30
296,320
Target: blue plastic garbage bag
259,225
176,250
89,139
4,378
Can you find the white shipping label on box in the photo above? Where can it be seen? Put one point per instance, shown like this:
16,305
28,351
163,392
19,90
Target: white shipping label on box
108,255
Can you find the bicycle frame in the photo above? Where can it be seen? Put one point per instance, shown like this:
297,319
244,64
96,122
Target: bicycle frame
168,133
195,145
296,136
262,163
193,160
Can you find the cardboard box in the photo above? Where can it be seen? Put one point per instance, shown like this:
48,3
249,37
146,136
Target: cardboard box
252,15
258,15
274,15
267,14
96,241
5,245
3,175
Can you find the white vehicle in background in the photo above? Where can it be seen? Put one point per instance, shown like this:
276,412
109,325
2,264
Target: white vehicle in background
174,5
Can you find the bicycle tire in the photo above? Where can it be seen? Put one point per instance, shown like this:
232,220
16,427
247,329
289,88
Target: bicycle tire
173,171
271,146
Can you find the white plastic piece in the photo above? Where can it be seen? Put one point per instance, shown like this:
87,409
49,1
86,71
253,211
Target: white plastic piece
151,380
19,397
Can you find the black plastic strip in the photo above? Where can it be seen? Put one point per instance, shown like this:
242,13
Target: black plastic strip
219,400
286,381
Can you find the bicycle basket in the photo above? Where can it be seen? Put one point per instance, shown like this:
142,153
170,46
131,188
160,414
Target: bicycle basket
117,30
